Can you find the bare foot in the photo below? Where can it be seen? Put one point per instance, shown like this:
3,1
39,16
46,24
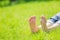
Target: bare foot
32,22
43,23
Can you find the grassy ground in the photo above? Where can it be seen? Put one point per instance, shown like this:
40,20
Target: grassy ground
14,21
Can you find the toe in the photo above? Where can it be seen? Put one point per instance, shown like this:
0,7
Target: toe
32,19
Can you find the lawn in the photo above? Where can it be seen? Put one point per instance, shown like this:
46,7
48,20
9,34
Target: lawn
14,24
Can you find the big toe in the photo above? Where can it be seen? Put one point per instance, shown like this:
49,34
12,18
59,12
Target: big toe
43,19
32,19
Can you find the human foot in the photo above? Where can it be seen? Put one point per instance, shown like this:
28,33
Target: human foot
43,23
32,22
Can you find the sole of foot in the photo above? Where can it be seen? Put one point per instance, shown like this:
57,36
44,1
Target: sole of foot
32,23
43,23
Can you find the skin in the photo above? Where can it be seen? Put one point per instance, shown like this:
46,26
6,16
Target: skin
32,23
34,27
45,25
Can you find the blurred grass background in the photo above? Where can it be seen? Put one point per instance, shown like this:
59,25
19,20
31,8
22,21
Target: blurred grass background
14,24
11,2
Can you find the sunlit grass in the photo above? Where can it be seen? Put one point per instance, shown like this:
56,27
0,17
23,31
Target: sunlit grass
14,21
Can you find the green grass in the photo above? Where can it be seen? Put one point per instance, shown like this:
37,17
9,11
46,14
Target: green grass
14,23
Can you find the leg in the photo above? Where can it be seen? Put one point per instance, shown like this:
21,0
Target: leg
52,23
57,24
45,23
55,20
48,24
